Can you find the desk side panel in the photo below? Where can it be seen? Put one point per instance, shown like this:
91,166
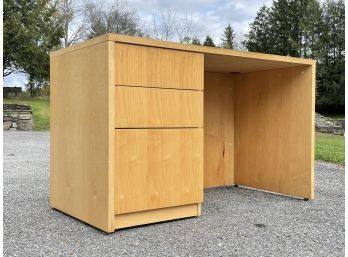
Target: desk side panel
80,168
274,131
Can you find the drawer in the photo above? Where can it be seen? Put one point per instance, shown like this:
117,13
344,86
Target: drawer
158,168
157,67
137,107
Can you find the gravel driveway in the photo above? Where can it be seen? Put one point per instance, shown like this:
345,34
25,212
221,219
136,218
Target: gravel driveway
234,221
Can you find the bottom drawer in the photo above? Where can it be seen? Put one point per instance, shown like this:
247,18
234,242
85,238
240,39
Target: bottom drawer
157,168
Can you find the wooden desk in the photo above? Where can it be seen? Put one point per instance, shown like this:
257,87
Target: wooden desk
140,127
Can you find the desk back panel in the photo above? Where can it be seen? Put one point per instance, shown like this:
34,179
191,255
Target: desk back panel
218,129
274,130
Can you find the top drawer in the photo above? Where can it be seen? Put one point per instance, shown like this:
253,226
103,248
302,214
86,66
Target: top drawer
157,67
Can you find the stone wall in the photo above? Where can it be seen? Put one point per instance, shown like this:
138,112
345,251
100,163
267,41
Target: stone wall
326,125
17,117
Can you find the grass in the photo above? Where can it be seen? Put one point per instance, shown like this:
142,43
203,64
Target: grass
329,148
41,111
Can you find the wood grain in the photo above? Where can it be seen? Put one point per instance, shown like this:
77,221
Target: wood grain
241,64
257,126
138,107
111,135
80,167
157,215
81,45
274,131
157,168
218,129
249,56
155,67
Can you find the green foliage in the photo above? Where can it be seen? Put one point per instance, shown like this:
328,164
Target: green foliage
310,29
31,30
191,40
258,39
286,17
331,58
40,108
329,148
209,42
228,37
195,41
306,28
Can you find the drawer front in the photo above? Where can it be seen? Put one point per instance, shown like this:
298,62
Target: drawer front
157,168
156,67
137,107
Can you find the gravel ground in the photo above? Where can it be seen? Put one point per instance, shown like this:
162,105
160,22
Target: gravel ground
234,221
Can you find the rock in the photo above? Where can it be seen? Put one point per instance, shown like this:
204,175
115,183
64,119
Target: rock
24,116
7,125
12,115
17,117
7,118
26,126
326,125
16,107
340,122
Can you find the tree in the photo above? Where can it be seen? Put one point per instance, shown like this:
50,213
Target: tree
285,31
258,39
331,58
239,39
163,24
169,24
74,20
195,41
310,29
13,35
306,28
209,41
31,29
191,40
116,18
183,27
286,28
228,38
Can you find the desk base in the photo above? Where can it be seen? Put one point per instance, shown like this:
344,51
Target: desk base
157,215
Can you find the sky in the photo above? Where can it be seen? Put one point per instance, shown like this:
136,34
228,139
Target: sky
209,18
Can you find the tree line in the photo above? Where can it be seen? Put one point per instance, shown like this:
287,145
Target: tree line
309,29
299,28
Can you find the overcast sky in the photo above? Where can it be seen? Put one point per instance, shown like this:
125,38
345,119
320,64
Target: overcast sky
209,16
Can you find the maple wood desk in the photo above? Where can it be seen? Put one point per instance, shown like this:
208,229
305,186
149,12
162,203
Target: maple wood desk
139,127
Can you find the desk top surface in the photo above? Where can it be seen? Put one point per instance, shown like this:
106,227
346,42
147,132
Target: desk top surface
216,59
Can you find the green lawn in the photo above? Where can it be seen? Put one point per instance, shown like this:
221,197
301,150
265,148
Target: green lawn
41,111
329,148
